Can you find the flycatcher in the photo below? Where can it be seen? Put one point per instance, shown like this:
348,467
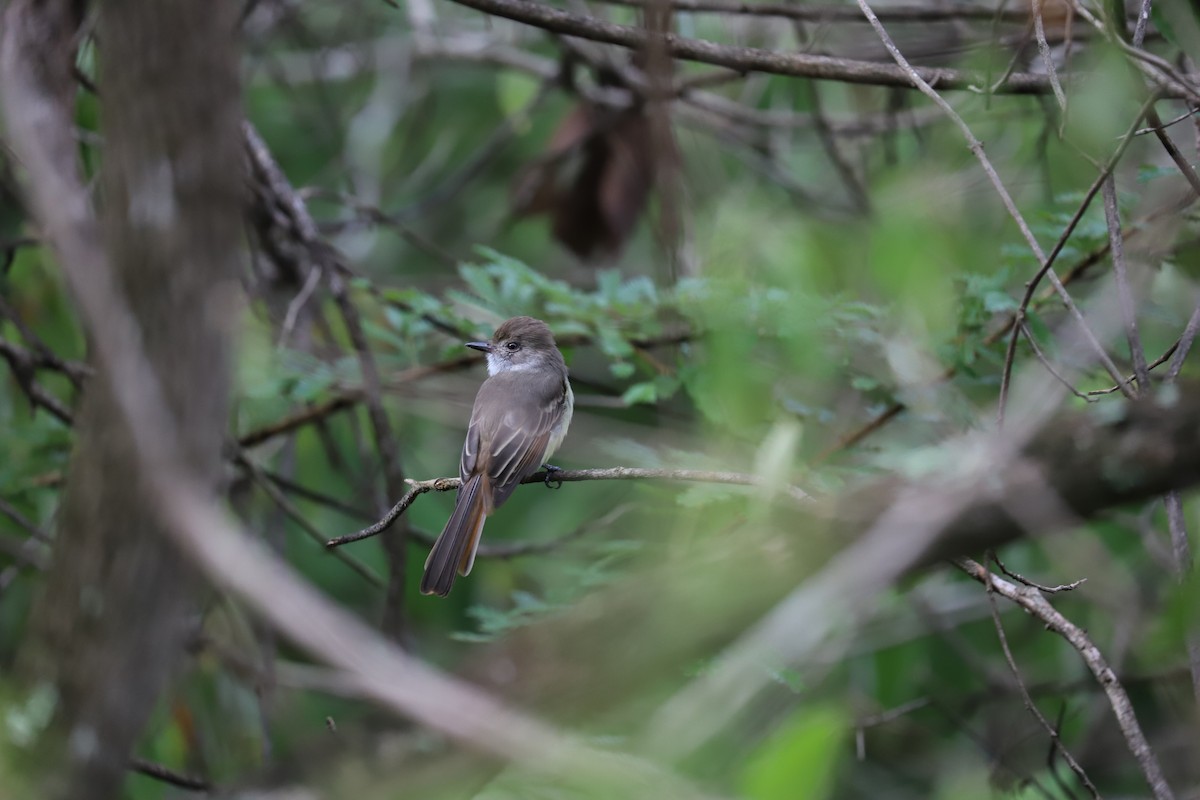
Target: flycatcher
520,418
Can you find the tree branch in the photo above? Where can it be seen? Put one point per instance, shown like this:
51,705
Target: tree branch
1030,599
568,476
750,59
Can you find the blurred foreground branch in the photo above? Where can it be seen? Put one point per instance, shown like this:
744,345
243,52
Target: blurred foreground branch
159,269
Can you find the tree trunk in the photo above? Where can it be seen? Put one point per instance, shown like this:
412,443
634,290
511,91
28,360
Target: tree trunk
112,618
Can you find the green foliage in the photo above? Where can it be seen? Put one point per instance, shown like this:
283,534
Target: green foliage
799,761
789,326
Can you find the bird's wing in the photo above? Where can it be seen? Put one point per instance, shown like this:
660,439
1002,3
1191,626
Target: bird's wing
511,424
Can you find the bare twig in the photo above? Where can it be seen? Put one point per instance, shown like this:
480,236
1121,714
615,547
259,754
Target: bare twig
568,476
1039,28
1124,293
502,551
1158,362
318,254
1160,72
1045,361
1021,579
321,498
854,185
1181,548
1031,706
10,511
1047,267
898,13
272,491
1033,602
42,356
976,148
23,364
169,776
1191,112
1139,28
1180,161
1186,339
389,455
308,416
1006,327
748,59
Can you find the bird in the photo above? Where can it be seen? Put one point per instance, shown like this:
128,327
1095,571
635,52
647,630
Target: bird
520,417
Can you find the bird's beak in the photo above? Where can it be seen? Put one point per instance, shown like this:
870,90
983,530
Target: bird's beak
485,347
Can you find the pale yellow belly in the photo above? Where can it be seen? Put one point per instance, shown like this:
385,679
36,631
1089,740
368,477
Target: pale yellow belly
560,430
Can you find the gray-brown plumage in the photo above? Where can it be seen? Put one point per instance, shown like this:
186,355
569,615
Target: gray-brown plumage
520,417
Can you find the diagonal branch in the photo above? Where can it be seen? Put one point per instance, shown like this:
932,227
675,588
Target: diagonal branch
976,147
1030,599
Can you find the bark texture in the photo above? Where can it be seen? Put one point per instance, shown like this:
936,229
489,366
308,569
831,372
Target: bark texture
110,623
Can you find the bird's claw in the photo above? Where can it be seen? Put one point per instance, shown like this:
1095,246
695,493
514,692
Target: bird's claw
550,481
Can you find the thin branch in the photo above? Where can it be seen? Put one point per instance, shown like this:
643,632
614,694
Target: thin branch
1186,339
748,59
337,504
289,509
1047,267
1181,547
42,356
1033,602
503,551
833,149
1045,362
169,776
1039,28
1139,28
570,476
1191,112
1031,706
23,364
976,148
1125,302
386,444
1159,130
304,244
308,416
1158,362
1021,579
10,511
1184,566
898,13
1006,327
1159,71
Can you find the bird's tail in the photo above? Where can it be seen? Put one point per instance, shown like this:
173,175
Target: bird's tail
454,550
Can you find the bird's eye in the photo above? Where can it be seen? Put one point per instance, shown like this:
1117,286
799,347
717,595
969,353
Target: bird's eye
513,346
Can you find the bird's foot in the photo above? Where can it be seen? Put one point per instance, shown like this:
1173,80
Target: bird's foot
550,481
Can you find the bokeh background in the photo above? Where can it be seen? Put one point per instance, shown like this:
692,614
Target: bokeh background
803,275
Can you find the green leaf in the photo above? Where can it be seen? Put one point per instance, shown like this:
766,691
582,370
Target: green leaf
1149,172
799,761
864,383
641,393
996,302
514,91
